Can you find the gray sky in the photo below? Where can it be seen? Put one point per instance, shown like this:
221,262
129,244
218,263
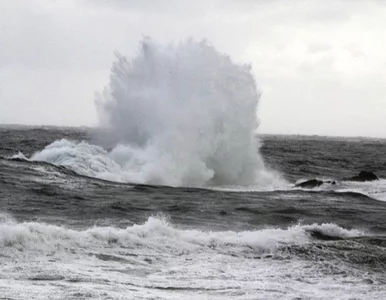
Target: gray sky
321,65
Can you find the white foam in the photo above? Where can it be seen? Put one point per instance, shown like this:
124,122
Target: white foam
158,260
156,233
6,218
83,158
20,155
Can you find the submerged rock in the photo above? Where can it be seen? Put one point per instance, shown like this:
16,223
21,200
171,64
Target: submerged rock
363,176
313,183
310,184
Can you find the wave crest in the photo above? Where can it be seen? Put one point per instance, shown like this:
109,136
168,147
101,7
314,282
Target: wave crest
159,235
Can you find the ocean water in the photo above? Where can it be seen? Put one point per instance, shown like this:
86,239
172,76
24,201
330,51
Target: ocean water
175,196
64,235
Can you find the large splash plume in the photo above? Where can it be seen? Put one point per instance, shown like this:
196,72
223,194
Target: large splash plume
180,115
186,115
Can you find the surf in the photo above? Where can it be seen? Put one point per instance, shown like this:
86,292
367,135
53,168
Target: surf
158,234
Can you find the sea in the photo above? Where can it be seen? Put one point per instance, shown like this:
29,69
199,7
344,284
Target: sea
68,232
174,194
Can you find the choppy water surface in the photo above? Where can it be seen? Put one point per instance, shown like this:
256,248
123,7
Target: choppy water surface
175,200
65,235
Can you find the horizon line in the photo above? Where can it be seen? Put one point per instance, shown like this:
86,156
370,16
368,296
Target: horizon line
15,125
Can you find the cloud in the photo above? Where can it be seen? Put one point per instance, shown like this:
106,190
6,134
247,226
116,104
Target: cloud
305,54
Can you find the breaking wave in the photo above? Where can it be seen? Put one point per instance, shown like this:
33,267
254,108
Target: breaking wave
157,234
179,115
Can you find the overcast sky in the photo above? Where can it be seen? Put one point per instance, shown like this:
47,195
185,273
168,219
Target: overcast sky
320,65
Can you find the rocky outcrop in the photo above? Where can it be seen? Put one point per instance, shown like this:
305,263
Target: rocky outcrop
363,176
310,184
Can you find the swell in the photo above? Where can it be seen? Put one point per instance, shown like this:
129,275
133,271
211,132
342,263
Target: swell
343,194
358,195
148,187
67,171
60,169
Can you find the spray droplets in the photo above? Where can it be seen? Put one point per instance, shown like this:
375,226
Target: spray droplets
178,115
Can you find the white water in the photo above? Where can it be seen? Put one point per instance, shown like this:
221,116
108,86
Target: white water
142,261
179,115
157,234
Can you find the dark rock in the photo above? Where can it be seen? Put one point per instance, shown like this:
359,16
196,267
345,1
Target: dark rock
310,184
363,176
46,278
148,260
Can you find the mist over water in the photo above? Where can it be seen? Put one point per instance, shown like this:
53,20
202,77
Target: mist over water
183,115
